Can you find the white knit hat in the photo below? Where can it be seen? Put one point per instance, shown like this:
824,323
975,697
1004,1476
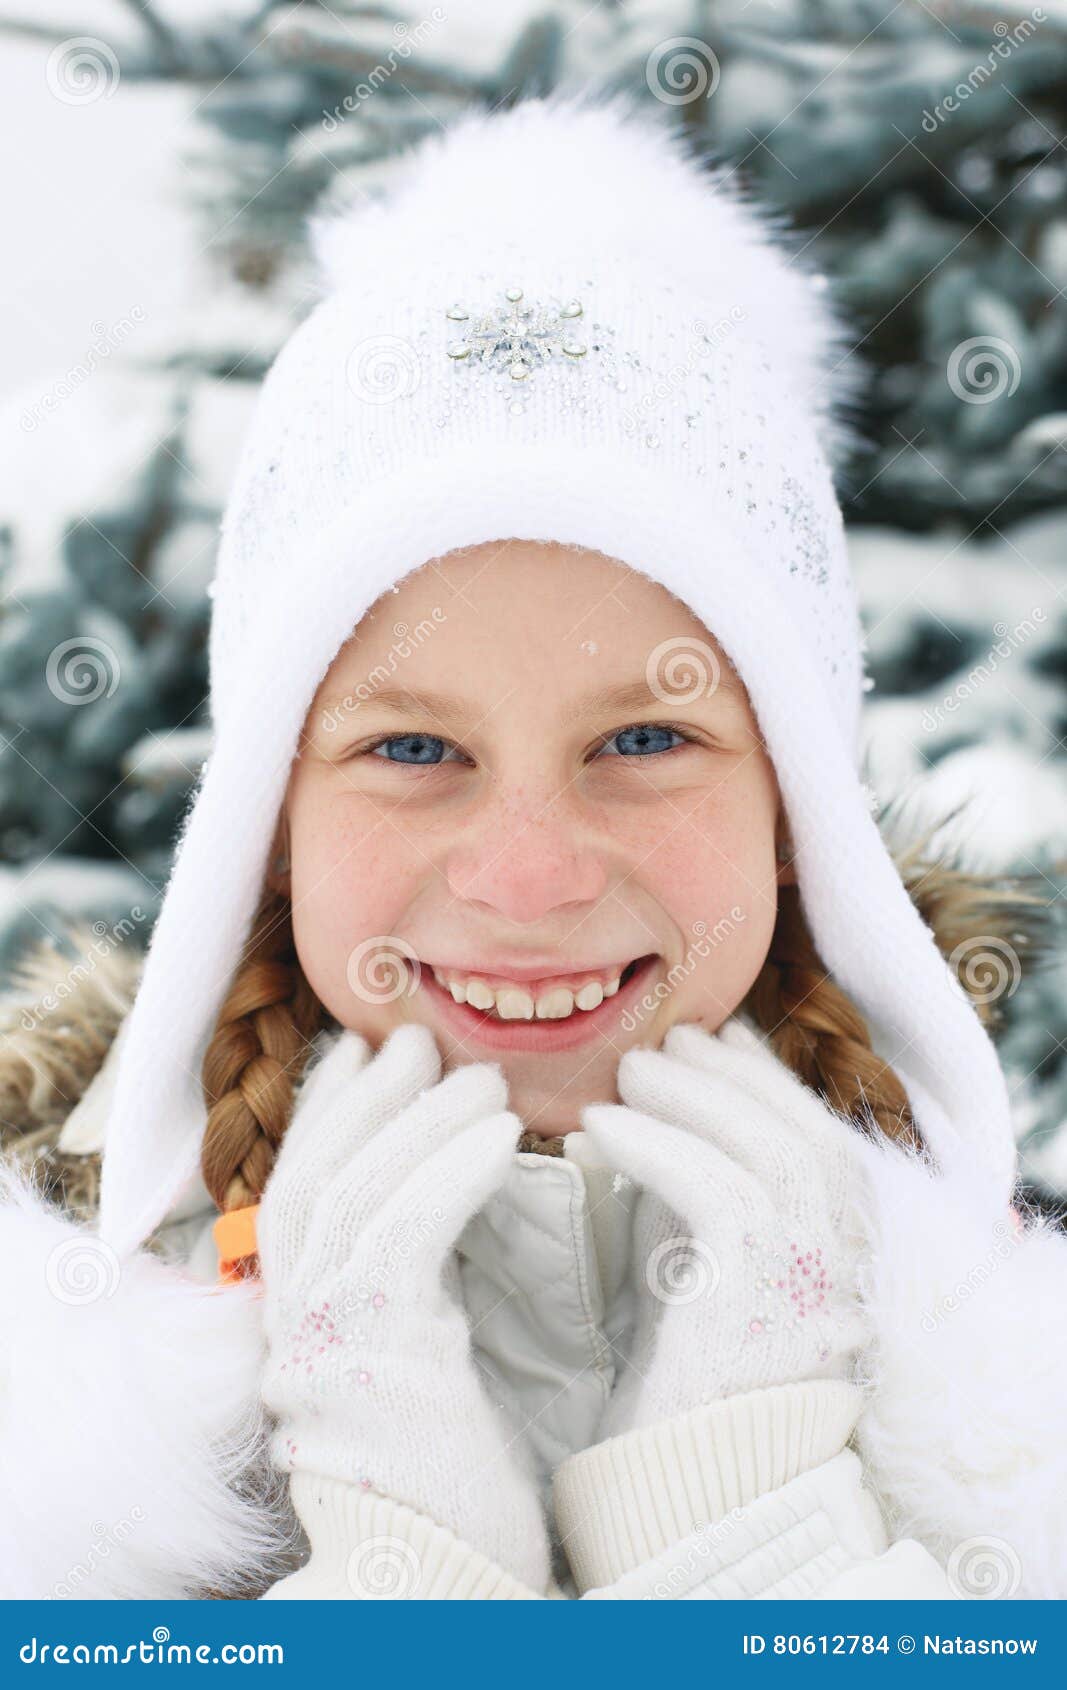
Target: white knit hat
559,327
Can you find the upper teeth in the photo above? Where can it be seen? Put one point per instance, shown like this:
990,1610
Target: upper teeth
515,1003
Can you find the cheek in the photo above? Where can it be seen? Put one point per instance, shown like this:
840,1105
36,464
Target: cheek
710,852
715,875
353,879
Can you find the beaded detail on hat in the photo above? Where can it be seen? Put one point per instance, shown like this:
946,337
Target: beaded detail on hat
517,337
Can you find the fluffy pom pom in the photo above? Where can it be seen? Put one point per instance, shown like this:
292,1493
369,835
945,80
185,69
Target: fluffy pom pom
583,174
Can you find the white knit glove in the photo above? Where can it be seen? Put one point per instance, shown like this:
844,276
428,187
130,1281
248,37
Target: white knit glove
757,1286
370,1369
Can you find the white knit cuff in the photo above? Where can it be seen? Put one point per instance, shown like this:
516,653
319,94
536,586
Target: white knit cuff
367,1547
627,1500
818,1536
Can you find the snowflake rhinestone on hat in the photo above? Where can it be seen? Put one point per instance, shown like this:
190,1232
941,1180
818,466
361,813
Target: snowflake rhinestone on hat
516,337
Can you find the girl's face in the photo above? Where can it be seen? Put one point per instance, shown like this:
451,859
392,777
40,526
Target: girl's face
529,770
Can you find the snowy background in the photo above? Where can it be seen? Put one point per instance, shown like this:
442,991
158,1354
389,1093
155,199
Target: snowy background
161,160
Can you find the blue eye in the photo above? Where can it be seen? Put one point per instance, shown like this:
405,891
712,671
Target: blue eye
423,748
646,739
417,750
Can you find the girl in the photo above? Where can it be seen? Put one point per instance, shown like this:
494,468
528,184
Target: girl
611,1184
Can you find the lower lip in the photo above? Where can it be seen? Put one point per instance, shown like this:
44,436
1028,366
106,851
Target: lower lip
547,1036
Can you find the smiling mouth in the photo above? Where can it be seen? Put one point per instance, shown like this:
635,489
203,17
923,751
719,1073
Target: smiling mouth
533,1032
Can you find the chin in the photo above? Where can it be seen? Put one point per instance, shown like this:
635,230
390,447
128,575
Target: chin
551,1103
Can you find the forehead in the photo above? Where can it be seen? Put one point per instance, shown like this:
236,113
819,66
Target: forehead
588,622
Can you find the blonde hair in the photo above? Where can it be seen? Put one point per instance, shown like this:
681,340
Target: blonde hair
258,1051
262,1040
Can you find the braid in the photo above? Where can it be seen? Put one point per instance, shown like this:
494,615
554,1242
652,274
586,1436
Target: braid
819,1033
257,1052
263,1035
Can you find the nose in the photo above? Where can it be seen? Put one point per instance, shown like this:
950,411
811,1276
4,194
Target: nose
528,860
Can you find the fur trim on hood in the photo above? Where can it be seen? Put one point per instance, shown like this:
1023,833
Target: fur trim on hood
61,1012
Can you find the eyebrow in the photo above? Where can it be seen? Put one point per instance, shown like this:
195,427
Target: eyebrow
632,695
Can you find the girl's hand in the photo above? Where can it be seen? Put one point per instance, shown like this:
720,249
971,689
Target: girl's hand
756,1286
370,1370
